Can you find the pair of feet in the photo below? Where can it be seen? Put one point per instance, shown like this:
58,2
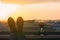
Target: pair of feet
12,24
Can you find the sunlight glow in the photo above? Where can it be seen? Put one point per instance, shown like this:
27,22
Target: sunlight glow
44,11
7,9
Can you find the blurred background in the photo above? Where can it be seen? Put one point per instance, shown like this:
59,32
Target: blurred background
33,12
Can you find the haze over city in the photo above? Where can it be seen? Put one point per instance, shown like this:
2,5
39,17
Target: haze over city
30,9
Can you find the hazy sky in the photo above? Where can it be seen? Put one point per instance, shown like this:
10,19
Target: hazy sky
31,9
28,1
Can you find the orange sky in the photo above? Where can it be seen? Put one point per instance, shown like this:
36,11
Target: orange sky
30,9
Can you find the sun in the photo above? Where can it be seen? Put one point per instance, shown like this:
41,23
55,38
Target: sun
7,9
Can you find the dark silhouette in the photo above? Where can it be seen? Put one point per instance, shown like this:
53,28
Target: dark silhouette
11,24
17,33
42,28
41,24
20,23
12,27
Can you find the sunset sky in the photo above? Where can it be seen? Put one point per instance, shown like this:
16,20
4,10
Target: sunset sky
30,9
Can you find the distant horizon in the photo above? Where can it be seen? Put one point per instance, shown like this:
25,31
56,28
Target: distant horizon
31,20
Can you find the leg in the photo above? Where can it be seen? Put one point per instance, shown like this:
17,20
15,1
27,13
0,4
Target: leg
20,24
12,27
